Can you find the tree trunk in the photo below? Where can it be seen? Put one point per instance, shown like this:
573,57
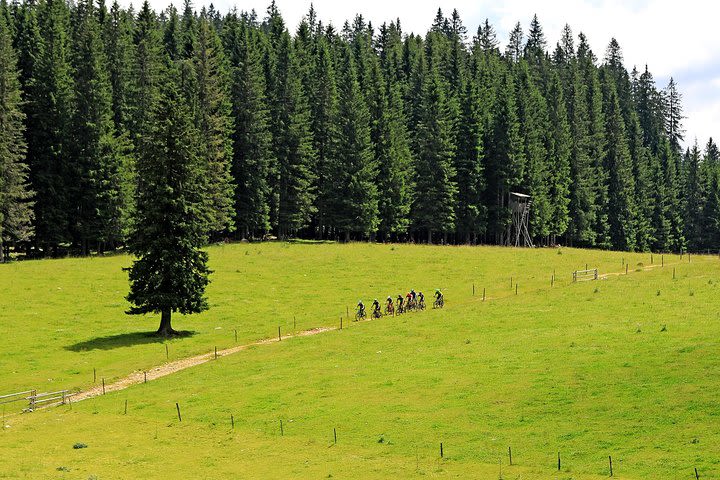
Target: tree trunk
2,251
347,236
429,240
165,327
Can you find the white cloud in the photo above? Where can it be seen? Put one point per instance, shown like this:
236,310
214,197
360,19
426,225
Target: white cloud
673,38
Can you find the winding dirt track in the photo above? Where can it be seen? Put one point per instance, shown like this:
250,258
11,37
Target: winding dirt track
177,365
182,364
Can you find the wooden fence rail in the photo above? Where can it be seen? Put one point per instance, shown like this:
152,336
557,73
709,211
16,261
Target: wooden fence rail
581,275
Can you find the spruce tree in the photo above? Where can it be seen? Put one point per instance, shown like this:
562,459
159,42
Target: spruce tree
673,114
532,114
694,195
354,205
253,159
100,162
559,148
15,195
621,191
294,150
468,162
597,144
505,157
170,273
436,188
323,115
120,52
214,122
50,107
711,209
146,74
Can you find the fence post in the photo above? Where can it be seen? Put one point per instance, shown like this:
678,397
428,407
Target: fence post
483,294
697,477
510,455
441,450
558,461
610,458
177,405
279,336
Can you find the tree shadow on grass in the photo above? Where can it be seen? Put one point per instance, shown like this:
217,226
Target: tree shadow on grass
111,342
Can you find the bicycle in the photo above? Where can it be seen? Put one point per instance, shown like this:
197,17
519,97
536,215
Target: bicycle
377,313
421,305
360,315
439,302
390,309
400,309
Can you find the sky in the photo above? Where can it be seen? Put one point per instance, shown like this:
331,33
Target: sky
674,39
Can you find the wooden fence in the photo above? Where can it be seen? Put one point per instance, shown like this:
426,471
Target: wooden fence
582,275
37,400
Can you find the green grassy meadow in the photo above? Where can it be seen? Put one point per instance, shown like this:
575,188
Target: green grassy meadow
625,367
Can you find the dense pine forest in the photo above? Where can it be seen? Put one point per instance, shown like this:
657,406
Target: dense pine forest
114,121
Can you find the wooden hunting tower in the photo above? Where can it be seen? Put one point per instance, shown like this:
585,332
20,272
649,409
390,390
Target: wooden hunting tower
518,232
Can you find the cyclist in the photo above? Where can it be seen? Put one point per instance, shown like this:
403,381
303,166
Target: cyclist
421,300
400,304
389,307
376,309
439,300
408,301
360,311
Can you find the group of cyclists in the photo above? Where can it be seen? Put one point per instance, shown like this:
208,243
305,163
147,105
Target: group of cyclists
412,301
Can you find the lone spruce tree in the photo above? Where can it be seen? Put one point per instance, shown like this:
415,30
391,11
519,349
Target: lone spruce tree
170,273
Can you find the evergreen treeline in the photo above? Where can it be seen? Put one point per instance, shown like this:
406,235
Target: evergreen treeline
357,133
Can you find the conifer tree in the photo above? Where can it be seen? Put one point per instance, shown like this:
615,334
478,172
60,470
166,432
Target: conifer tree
468,162
514,49
50,106
644,184
214,123
711,208
100,163
15,195
324,111
532,114
559,147
694,196
120,51
436,187
170,273
597,144
505,157
673,114
354,207
253,159
293,143
582,193
621,191
146,74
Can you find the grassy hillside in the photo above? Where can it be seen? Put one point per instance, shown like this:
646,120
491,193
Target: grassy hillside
65,317
623,367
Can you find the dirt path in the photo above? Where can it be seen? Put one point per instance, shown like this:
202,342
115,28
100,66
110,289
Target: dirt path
178,365
182,364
